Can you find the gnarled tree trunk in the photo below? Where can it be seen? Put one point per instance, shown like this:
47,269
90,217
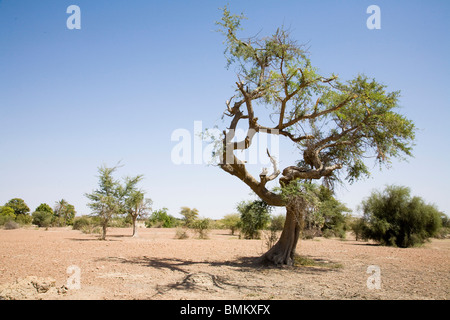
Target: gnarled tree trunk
282,253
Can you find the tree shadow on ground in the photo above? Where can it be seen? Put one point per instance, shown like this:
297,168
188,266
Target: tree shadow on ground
368,244
242,264
214,279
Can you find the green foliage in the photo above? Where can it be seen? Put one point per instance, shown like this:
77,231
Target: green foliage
86,224
277,222
359,228
444,232
255,216
189,215
335,124
232,222
161,219
136,205
42,219
394,218
81,222
19,206
43,207
201,227
335,219
24,219
108,200
325,215
42,216
64,213
6,215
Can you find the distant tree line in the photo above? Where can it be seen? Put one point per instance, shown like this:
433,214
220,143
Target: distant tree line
16,212
390,217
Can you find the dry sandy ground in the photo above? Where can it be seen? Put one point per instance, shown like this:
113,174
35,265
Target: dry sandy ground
34,265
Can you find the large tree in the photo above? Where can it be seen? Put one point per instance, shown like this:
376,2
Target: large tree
335,125
19,206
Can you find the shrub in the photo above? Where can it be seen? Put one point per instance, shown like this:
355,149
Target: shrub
120,222
6,215
23,219
255,216
232,222
395,218
359,228
42,219
201,227
10,225
277,222
80,222
87,224
181,233
161,219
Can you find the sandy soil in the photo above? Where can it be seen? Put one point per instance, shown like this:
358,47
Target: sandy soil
34,265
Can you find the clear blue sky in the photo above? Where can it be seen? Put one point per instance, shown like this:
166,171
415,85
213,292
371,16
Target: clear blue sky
71,100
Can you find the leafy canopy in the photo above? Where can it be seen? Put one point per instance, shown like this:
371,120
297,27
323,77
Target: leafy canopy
336,125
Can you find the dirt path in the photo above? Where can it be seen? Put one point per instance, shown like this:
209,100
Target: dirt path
34,265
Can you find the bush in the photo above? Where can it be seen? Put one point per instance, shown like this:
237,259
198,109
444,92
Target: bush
161,219
120,222
80,222
181,233
201,227
395,218
360,229
42,219
277,222
231,222
6,215
255,216
86,224
10,225
23,219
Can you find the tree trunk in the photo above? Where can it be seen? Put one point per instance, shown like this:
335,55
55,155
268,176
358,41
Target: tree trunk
135,232
104,227
282,253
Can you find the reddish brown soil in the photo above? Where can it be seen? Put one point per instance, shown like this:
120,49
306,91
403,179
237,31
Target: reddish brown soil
34,262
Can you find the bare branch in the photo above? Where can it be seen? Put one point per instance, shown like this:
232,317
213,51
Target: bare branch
263,176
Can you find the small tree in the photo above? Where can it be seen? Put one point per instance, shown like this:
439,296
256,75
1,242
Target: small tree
6,214
334,214
393,217
201,227
42,219
108,200
255,216
137,206
232,222
190,215
43,216
64,213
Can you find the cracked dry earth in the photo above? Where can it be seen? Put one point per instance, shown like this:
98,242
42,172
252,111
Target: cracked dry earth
34,265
